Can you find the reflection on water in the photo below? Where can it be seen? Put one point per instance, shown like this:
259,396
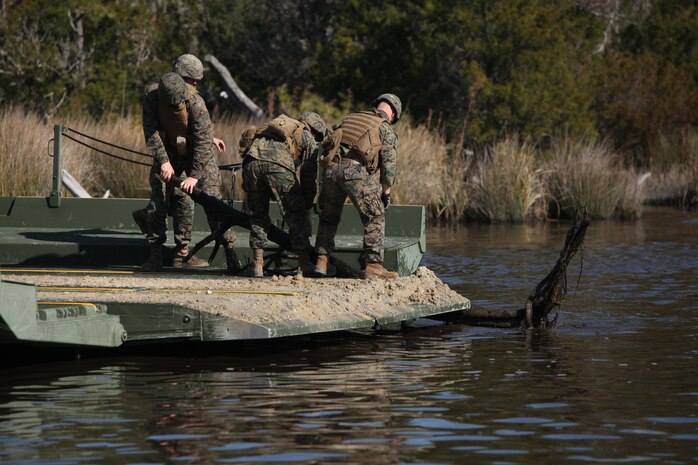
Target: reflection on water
616,382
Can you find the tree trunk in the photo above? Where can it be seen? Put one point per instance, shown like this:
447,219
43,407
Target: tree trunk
76,25
233,89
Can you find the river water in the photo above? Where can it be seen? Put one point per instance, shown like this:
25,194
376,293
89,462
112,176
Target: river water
615,382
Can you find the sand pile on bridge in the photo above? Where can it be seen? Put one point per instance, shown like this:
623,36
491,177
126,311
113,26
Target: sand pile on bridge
265,300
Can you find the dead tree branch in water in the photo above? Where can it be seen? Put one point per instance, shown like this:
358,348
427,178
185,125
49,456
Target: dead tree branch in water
548,294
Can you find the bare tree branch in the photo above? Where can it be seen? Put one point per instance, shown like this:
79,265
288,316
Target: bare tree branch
231,86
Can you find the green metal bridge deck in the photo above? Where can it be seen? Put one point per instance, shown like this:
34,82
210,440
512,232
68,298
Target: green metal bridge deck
101,233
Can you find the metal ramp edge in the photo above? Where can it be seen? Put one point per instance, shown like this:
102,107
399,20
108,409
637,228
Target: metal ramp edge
22,318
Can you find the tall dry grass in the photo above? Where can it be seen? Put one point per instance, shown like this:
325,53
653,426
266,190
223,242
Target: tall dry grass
512,181
27,167
584,172
229,129
431,173
98,173
507,185
674,165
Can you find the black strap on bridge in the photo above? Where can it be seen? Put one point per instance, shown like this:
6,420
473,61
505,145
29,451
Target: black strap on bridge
103,142
104,152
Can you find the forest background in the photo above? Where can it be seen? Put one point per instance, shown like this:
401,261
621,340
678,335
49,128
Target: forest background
513,109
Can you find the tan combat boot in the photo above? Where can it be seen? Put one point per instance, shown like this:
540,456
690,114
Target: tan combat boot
258,262
154,262
376,270
323,267
193,262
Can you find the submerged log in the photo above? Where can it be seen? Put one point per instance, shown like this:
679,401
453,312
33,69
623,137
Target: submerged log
548,294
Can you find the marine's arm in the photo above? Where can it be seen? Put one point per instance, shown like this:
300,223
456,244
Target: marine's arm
151,126
308,173
387,157
201,133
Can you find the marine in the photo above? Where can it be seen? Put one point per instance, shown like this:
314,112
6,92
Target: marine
274,154
179,135
179,205
363,144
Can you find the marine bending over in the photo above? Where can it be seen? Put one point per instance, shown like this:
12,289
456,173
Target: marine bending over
363,144
272,155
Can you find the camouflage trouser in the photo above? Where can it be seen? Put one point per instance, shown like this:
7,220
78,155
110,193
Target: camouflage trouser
164,198
263,181
351,179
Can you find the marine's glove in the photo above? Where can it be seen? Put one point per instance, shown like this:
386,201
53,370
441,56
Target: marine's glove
385,198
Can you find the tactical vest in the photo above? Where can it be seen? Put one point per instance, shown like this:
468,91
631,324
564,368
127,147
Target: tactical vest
287,130
360,134
246,138
174,122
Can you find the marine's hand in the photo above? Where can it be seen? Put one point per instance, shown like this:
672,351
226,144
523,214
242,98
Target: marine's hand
166,171
385,198
219,144
188,185
246,206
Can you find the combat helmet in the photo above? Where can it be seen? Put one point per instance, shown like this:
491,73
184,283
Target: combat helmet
172,89
188,66
393,101
316,123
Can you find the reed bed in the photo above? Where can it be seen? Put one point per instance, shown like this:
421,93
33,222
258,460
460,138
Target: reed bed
99,173
25,166
507,186
512,180
674,168
431,173
585,172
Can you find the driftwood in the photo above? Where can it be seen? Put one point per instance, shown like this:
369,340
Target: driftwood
548,294
74,186
233,89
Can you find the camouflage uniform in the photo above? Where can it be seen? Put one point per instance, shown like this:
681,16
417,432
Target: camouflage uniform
348,177
269,172
181,208
198,163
